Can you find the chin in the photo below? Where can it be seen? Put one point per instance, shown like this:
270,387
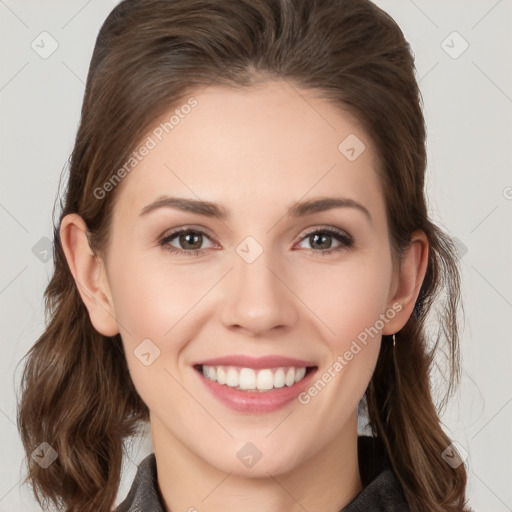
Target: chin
258,459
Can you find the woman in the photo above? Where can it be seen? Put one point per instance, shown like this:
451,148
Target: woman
282,144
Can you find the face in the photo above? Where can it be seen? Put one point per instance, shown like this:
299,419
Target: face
260,288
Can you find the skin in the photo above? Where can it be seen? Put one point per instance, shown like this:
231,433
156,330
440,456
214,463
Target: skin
255,151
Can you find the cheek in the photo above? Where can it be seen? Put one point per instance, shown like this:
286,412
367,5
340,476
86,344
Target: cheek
348,298
352,304
151,303
158,307
150,299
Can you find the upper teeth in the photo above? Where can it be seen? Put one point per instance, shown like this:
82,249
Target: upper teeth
247,378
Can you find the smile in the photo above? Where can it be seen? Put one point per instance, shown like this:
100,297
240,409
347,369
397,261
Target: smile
249,379
255,385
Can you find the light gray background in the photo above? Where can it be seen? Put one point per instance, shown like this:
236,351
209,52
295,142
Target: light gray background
468,107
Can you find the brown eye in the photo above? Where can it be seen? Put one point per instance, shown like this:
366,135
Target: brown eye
190,240
321,240
185,241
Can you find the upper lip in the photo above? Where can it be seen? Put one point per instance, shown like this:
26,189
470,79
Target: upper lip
244,361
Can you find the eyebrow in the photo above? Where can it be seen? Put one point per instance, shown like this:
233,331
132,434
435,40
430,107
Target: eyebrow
214,210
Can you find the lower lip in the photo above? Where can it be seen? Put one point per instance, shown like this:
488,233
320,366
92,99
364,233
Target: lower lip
256,401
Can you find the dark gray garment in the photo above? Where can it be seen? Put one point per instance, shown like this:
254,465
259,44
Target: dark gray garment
381,490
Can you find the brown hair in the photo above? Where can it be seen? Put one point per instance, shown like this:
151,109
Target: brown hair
77,394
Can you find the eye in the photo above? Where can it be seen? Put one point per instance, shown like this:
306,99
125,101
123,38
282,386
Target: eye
321,240
189,241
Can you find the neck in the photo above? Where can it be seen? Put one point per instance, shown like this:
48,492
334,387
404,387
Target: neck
327,481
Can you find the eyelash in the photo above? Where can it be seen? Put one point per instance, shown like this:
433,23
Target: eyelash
346,241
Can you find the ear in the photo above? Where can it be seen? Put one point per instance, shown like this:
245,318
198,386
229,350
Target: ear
407,284
89,274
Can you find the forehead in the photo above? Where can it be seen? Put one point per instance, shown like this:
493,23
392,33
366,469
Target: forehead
256,148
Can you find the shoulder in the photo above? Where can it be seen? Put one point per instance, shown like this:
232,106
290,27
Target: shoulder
382,491
144,495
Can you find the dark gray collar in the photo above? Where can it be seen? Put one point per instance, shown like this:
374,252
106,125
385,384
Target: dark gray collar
381,490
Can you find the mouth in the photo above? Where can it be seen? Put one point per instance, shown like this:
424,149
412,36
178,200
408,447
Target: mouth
255,380
255,385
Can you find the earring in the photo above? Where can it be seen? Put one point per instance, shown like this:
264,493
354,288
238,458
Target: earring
394,340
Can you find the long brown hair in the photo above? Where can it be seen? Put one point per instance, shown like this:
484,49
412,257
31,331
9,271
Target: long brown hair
76,391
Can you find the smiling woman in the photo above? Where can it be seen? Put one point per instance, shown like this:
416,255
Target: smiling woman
297,183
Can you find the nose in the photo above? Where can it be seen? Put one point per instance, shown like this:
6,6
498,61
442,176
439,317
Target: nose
258,297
